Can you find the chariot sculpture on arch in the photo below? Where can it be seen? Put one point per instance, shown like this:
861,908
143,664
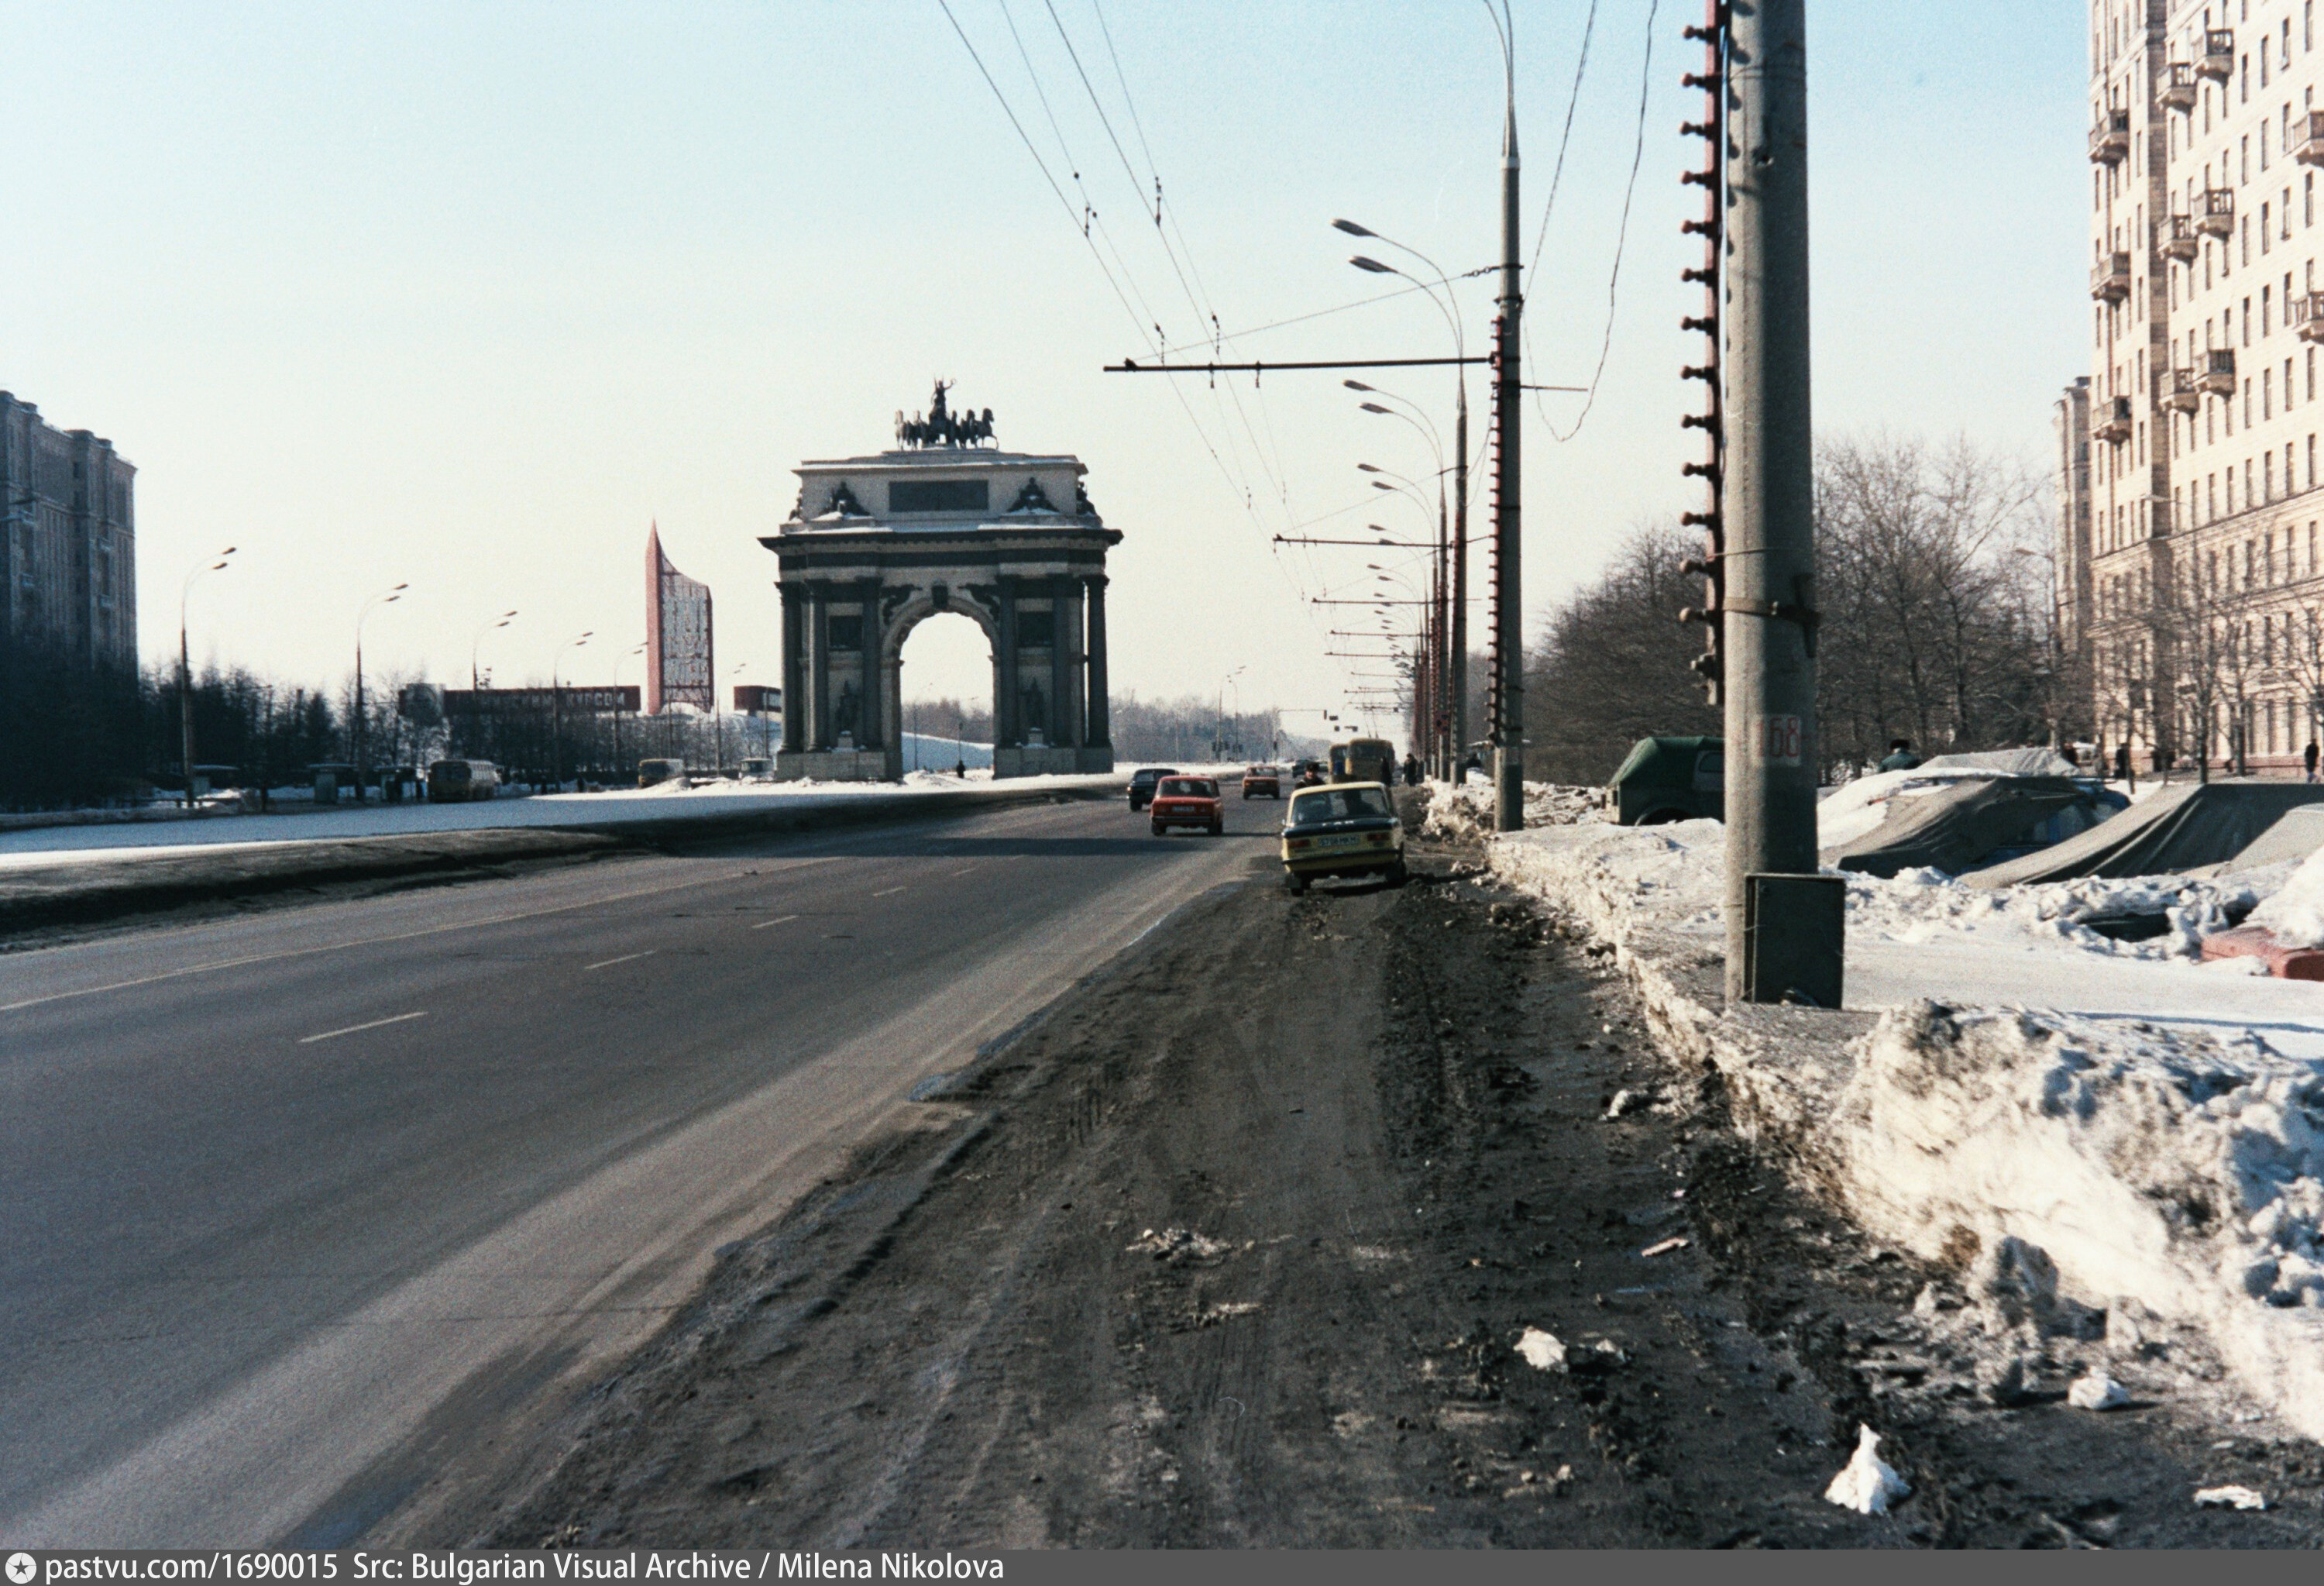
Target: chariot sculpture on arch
945,522
942,427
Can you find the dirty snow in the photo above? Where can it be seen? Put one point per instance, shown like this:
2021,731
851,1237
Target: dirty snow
2130,1142
1867,1483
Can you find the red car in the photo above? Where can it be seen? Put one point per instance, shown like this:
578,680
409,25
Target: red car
1263,781
1188,801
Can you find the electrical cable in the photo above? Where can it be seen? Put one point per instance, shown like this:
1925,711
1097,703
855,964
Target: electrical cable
1621,241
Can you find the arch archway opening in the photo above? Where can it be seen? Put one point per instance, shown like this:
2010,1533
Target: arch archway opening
945,691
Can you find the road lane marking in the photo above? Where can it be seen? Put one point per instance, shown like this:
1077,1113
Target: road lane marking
888,892
624,958
768,924
333,1035
463,924
964,871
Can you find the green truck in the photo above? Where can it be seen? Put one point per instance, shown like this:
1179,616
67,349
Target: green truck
1668,780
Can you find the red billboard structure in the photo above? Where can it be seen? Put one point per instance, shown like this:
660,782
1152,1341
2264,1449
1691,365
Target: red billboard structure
677,635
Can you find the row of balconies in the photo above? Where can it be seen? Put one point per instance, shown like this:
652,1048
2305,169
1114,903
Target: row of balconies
2176,236
2212,374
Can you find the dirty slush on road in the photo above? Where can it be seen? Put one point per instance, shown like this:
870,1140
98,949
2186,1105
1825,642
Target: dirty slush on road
1237,1248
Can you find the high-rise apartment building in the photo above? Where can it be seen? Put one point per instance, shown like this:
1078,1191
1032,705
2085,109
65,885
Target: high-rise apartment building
2196,516
71,541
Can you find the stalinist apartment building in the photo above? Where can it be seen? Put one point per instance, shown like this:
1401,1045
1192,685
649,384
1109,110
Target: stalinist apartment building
2189,517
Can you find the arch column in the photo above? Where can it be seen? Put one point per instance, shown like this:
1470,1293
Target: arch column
1007,713
1098,714
819,666
1065,662
868,724
794,671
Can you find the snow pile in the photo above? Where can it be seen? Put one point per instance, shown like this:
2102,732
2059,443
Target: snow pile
1672,877
2108,1161
2295,913
2095,1390
1868,1484
1465,814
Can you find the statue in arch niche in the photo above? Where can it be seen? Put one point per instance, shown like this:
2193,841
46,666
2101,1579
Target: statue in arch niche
846,710
1036,708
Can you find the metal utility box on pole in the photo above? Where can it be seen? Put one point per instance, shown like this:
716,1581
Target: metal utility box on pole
1767,616
1508,580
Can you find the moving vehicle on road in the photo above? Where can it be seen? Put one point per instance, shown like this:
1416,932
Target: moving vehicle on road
457,781
1669,779
1263,781
1188,801
1346,829
653,772
1364,760
1141,785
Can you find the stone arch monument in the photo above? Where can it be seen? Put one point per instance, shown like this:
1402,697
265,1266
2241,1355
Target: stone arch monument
944,522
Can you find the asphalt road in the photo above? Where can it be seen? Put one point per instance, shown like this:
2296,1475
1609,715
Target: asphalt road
306,1219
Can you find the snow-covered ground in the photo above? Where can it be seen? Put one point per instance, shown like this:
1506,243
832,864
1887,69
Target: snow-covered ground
53,844
2152,1125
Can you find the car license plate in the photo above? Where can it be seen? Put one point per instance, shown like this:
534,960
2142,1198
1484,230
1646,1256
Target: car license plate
1347,842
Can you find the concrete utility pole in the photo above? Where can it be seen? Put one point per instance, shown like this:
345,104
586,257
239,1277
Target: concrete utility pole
1459,681
1767,628
1509,580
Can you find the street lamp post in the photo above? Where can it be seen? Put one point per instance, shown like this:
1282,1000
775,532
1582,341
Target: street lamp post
556,707
640,650
362,721
1445,736
1456,638
186,674
475,684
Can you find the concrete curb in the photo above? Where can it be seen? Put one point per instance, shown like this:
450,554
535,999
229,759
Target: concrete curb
96,892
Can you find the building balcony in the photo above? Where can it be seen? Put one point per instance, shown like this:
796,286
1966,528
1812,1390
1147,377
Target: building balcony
2307,138
2178,86
2110,138
2307,312
2114,425
2177,238
2110,279
2180,394
2215,372
2217,61
2215,211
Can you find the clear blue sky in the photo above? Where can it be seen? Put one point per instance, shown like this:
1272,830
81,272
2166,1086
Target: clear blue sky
466,294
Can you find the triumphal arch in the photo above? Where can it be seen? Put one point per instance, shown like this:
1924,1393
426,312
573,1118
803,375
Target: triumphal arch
945,521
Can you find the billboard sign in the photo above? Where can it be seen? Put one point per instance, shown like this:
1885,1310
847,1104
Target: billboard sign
677,635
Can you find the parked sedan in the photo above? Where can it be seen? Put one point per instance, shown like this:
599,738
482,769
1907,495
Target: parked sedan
1188,801
1263,781
1346,829
1141,785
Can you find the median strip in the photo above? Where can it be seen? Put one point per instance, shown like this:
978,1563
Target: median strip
333,1035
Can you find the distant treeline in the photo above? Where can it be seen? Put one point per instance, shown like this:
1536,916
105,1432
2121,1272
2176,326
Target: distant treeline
1933,590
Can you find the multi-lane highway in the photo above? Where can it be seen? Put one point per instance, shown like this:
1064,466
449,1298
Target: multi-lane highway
300,1212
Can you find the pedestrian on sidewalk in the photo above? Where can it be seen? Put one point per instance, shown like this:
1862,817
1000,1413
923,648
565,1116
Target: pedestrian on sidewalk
2308,757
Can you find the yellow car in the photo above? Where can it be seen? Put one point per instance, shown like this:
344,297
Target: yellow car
1346,829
